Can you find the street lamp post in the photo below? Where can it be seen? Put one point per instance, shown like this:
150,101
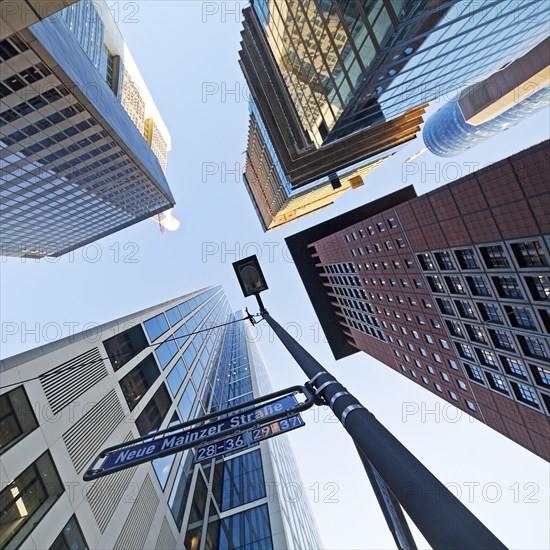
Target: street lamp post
443,520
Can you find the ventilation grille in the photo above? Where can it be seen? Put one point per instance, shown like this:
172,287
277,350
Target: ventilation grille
85,438
107,492
135,530
72,379
166,540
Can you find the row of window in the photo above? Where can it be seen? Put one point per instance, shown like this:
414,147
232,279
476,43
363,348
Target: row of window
361,234
504,286
377,247
527,254
522,392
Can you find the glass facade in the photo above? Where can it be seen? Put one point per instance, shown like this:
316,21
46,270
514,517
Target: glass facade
447,134
351,64
69,176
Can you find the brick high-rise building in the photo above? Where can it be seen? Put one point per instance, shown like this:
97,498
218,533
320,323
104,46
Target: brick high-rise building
451,289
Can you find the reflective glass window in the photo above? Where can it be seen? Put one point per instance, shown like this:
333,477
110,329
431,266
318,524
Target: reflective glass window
156,326
17,418
166,351
25,500
70,538
174,316
247,530
125,346
150,419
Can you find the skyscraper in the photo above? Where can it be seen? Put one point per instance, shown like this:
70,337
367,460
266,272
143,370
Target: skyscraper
450,289
66,401
83,145
342,83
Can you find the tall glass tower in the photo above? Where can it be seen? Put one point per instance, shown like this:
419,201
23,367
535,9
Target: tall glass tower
64,402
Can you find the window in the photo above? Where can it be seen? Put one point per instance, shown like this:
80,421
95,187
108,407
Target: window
541,374
409,264
429,339
437,358
70,538
465,350
389,245
533,347
25,501
502,339
242,480
136,383
478,285
415,335
17,418
444,344
431,370
455,328
513,366
455,285
445,306
453,396
529,254
426,303
539,287
452,364
380,227
476,334
436,284
497,382
166,351
474,373
445,376
487,358
176,377
125,346
421,320
392,223
174,316
150,419
520,317
156,326
466,258
248,529
425,380
490,312
465,309
444,261
462,385
470,405
426,262
525,394
400,243
508,287
494,257
438,387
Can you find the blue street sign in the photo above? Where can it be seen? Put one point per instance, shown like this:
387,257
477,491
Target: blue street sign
235,442
184,439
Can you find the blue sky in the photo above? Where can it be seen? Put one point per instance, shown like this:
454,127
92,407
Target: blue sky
187,52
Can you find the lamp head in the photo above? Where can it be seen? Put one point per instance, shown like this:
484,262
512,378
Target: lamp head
250,276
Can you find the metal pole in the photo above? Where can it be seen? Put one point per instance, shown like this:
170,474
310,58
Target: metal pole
443,520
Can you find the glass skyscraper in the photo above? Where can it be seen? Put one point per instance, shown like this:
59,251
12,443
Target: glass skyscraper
338,83
75,165
63,403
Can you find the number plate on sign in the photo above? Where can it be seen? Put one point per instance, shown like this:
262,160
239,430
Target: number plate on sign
239,441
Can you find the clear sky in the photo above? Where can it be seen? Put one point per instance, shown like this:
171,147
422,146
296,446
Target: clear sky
187,52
